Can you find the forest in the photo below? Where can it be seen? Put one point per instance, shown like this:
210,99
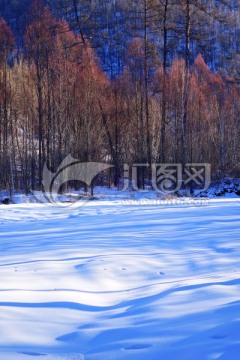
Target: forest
123,82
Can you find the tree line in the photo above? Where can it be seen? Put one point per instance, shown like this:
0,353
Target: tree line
58,98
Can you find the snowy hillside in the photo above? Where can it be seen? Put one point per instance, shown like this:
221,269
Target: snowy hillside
108,281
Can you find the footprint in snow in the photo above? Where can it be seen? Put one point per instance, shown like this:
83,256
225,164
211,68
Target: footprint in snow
137,347
31,353
219,337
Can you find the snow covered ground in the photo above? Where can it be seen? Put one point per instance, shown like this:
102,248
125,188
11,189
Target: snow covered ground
112,280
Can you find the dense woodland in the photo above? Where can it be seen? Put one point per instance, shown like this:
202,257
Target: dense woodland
137,81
